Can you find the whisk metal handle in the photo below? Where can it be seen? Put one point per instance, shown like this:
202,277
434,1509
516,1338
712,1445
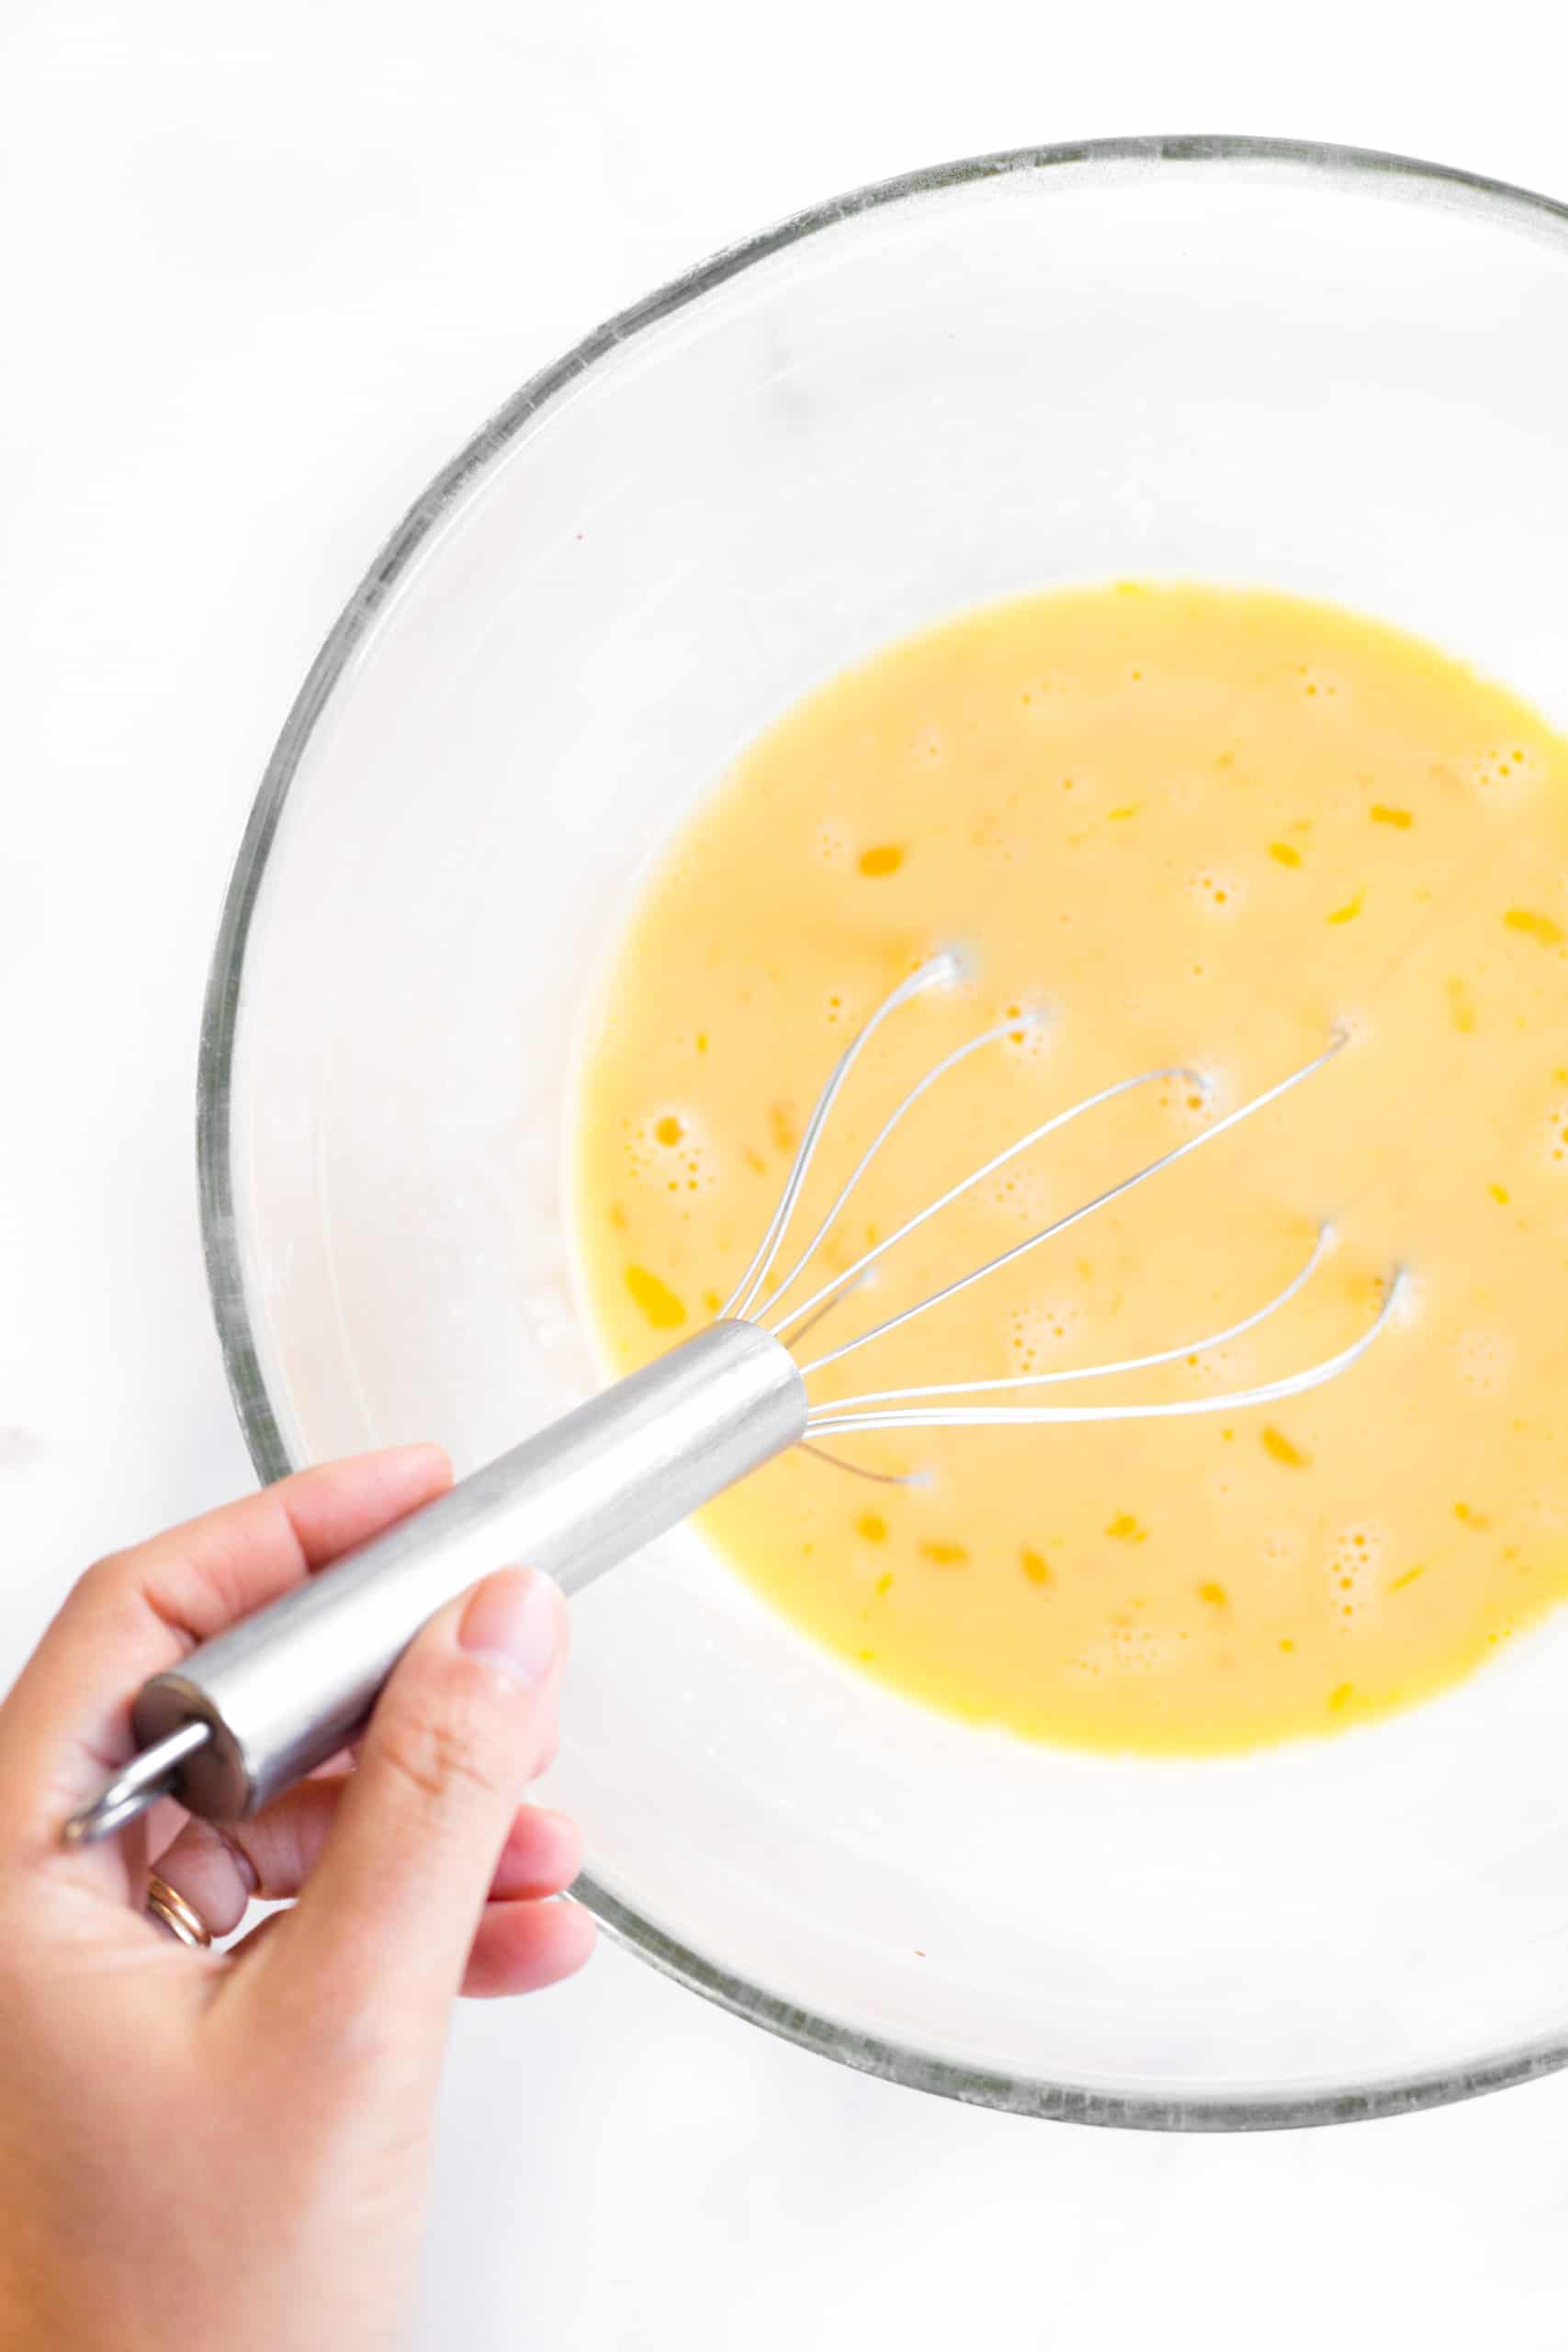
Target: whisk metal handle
282,1691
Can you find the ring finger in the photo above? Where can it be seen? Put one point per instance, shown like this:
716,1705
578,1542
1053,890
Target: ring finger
269,1858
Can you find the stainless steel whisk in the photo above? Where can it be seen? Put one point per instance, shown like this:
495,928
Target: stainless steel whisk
263,1704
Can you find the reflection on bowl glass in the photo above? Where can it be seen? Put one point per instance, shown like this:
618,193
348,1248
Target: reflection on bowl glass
1335,374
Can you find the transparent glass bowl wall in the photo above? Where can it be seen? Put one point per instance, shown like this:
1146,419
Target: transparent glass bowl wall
1223,360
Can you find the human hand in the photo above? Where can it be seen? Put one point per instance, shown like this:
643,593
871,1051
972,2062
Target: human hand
200,2149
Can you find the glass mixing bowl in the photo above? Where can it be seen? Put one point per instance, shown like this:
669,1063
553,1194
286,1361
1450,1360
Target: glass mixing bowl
1335,373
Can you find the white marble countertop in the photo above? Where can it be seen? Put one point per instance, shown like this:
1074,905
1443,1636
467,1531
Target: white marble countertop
261,274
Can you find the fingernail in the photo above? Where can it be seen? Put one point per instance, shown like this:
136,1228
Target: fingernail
244,1865
517,1616
416,1463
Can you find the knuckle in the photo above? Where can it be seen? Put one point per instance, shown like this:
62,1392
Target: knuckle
431,1759
443,1747
104,1594
103,1578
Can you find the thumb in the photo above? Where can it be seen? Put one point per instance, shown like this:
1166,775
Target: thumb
465,1722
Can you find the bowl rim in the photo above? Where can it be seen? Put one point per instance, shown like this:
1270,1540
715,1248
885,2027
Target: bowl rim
1061,2100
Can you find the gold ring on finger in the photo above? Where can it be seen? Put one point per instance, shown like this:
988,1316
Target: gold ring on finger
183,1920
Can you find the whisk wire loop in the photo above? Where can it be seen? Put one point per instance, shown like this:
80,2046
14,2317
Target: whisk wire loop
935,1404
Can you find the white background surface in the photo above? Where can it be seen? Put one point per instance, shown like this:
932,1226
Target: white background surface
260,275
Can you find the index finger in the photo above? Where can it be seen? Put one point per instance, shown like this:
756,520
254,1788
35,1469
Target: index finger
66,1723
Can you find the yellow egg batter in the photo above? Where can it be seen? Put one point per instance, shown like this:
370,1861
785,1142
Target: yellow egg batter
1201,828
